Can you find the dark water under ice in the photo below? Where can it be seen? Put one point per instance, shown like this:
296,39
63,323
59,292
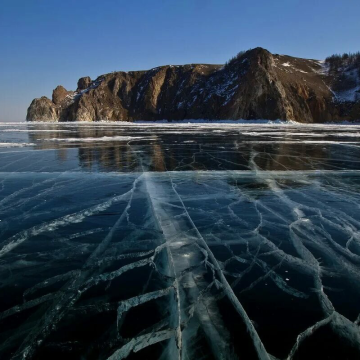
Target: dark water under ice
179,241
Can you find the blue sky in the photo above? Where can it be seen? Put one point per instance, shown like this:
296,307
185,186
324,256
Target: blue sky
45,43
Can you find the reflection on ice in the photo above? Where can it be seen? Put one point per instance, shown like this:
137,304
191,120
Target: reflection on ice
214,242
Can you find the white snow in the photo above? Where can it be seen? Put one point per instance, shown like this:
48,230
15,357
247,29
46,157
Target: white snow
353,94
9,144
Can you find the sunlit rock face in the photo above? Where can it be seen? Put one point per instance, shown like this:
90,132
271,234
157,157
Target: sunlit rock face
42,109
194,241
254,85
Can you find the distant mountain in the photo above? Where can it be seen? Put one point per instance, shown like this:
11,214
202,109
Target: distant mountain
253,85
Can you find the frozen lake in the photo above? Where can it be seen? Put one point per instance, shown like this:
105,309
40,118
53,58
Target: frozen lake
179,241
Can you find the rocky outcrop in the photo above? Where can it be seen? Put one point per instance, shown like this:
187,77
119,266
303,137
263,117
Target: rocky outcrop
253,85
42,109
83,83
59,95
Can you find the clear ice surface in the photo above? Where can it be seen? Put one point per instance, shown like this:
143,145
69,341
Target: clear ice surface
179,241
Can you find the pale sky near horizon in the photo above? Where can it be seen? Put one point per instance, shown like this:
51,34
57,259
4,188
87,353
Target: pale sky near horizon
47,43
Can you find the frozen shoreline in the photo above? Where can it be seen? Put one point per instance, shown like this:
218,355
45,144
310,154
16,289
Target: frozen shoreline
186,122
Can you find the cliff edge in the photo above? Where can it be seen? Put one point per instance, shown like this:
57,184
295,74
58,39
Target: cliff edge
253,85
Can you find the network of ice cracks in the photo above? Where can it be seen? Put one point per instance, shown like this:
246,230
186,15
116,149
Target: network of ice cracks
196,241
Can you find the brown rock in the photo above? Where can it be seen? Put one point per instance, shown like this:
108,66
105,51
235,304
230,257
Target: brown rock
84,83
59,94
42,109
253,85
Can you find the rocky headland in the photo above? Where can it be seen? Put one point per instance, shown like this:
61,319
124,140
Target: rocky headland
253,85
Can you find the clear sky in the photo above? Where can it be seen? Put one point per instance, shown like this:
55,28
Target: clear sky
45,43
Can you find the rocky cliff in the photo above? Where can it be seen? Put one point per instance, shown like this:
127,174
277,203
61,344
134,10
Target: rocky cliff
253,85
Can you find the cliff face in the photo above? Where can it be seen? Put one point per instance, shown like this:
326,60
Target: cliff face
255,85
